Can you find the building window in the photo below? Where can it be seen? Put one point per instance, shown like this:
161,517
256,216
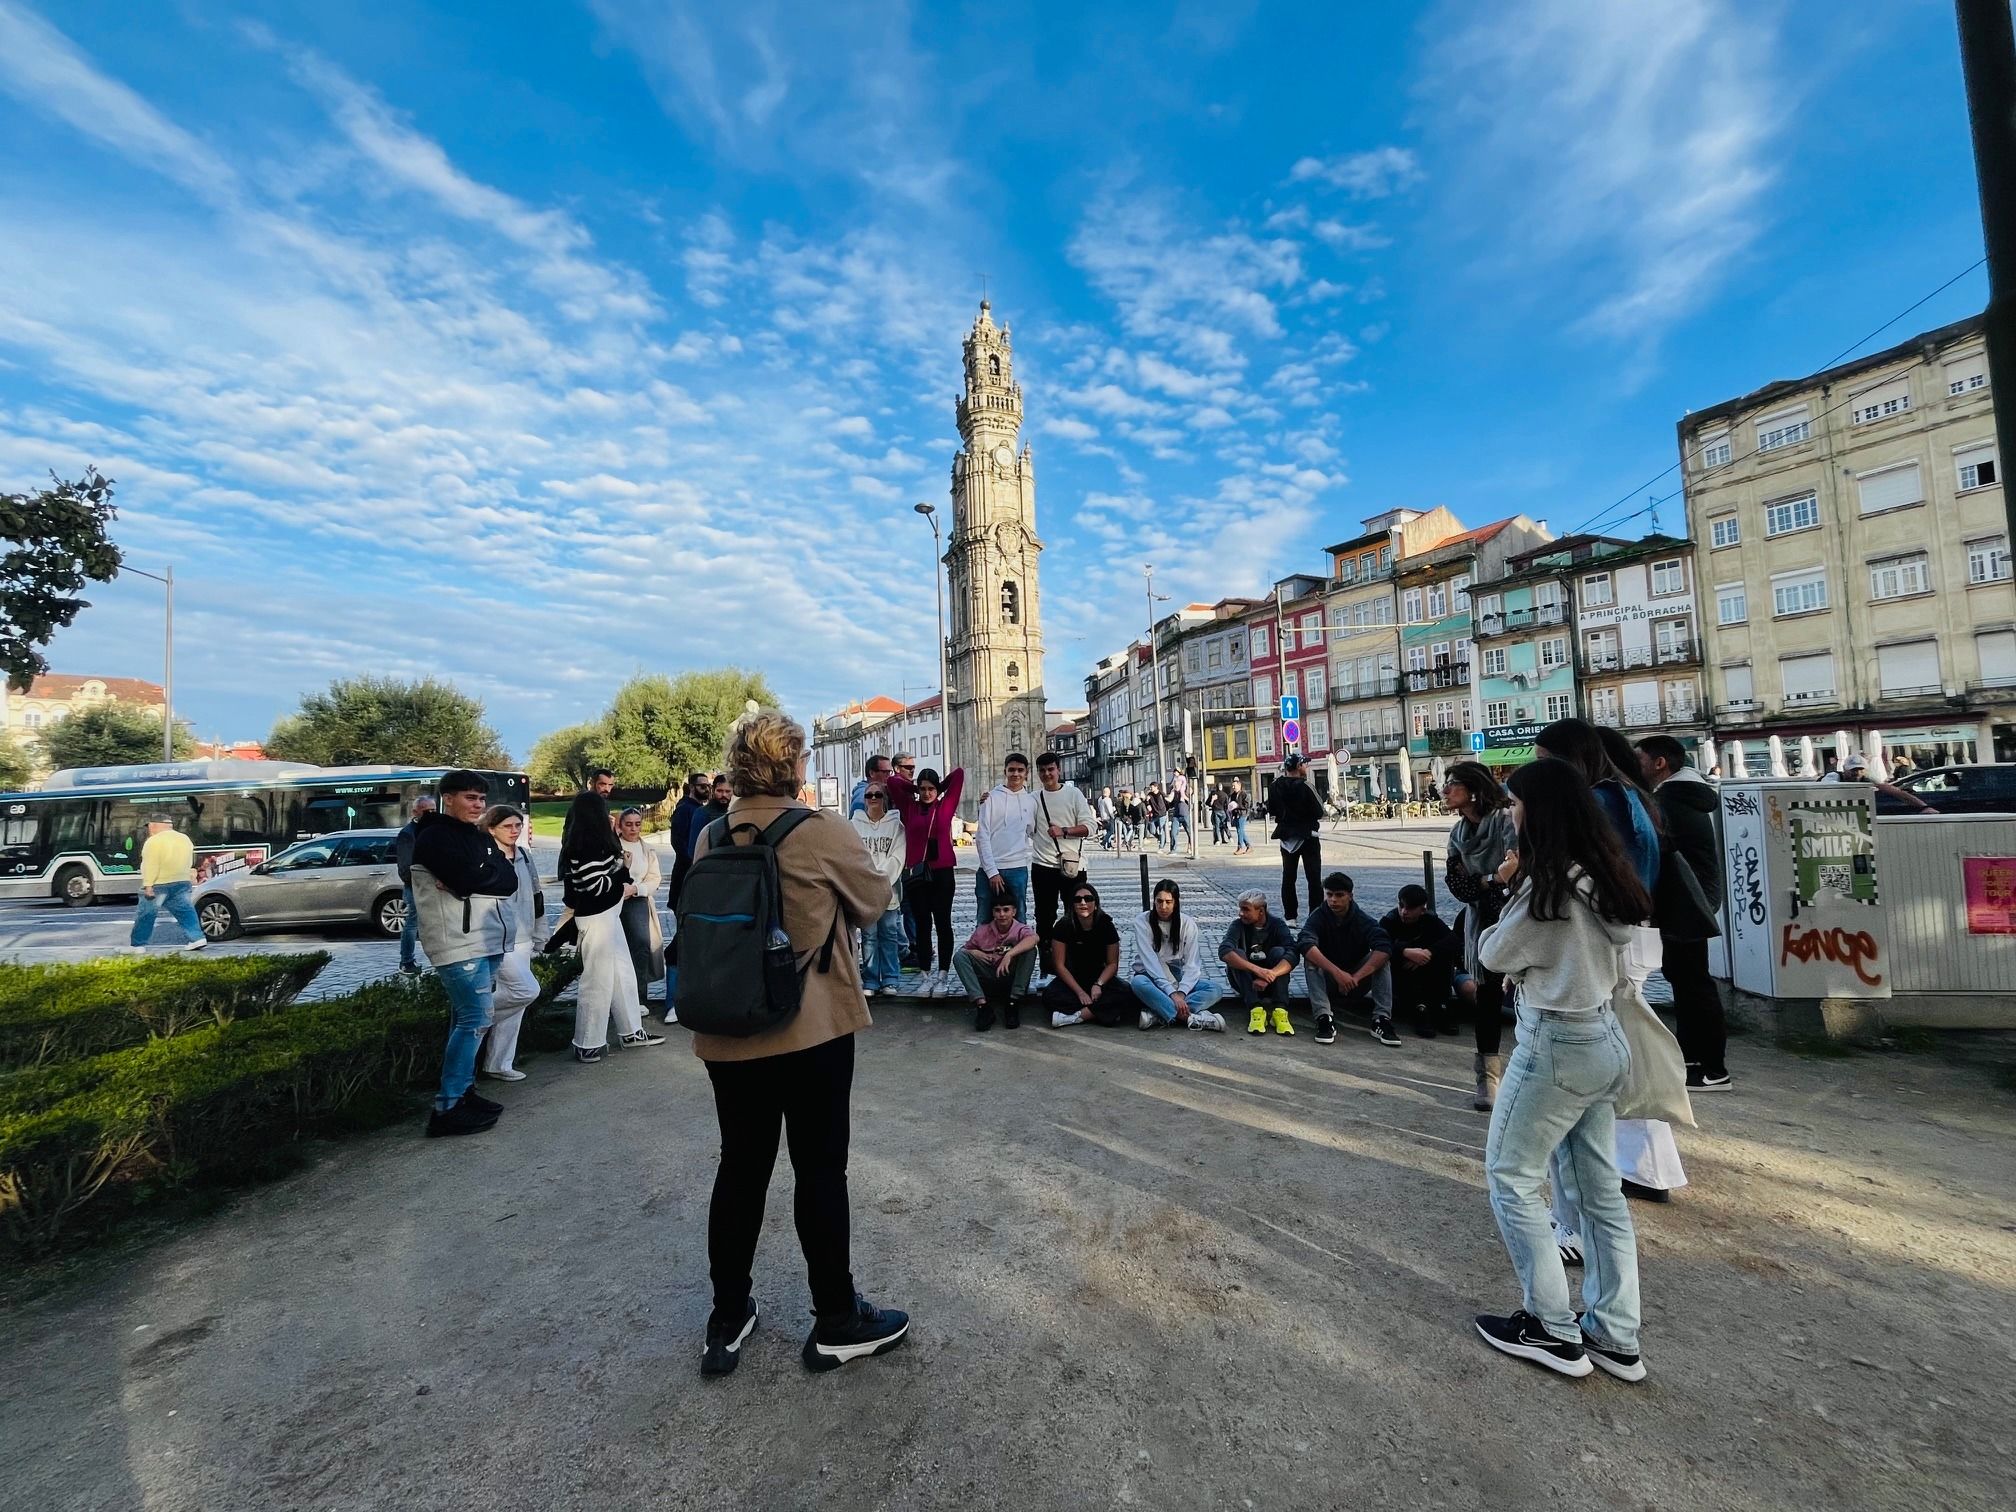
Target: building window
1385,557
1347,569
1494,664
1410,606
1011,604
1667,577
1438,654
1235,647
1267,738
1259,641
1417,658
1807,678
1910,670
1263,692
1732,604
1498,712
1560,706
1724,532
1438,601
1967,374
1881,402
1313,687
1242,743
1596,589
1900,576
1715,451
1214,654
1799,592
1889,488
1465,710
1554,652
1319,732
1786,428
1014,677
1460,591
1445,714
1462,650
1788,515
1988,560
1603,706
1681,703
1312,630
1217,745
33,719
1975,466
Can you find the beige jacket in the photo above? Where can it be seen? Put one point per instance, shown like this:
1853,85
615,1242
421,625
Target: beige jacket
642,860
830,887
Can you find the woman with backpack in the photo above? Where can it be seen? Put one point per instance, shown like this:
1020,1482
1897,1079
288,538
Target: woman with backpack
593,883
1561,940
796,1078
930,808
1482,838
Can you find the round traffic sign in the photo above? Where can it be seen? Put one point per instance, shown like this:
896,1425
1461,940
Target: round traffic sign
1291,731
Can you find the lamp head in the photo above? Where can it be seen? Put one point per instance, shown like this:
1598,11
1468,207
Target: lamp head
923,509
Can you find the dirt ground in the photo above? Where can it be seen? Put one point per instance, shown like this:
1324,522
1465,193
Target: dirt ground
1166,1270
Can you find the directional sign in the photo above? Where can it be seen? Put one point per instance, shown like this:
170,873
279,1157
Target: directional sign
1291,732
1291,706
1476,740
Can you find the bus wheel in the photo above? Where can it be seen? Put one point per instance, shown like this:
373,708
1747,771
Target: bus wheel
388,915
74,886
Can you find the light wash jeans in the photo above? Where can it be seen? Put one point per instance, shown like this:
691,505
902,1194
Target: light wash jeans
885,941
173,896
409,932
1017,878
1375,996
1559,1089
1239,829
470,985
1163,1006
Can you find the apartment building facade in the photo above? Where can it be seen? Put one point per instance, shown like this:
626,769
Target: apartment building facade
1525,673
1851,537
1109,718
1287,643
1638,637
1220,676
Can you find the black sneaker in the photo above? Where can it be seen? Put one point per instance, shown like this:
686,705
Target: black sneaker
1011,1015
1382,1031
1326,1030
640,1039
983,1018
1645,1193
589,1057
483,1103
863,1330
1705,1081
410,971
464,1118
1424,1028
725,1338
1522,1335
1626,1367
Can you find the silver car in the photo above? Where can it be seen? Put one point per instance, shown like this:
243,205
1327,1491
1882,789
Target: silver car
349,877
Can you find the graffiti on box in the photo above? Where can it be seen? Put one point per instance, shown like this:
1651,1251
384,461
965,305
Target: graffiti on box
1833,853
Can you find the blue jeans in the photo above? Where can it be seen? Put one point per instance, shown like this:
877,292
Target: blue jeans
1239,829
1017,880
470,985
1559,1089
884,939
1179,815
1163,1006
173,896
409,932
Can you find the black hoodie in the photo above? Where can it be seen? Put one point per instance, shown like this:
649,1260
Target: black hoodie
592,873
462,858
1687,802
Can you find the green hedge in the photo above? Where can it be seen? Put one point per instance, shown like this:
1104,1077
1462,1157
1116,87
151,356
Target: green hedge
53,1014
215,1106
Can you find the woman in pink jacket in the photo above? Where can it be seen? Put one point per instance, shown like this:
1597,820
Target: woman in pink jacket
930,808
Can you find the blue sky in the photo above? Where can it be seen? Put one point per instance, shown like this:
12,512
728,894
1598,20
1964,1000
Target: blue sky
531,345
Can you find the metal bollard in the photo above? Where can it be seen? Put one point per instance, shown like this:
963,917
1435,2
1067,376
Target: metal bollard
1145,900
1428,877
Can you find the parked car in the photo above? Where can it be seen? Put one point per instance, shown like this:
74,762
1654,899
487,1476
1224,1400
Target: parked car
349,877
1958,790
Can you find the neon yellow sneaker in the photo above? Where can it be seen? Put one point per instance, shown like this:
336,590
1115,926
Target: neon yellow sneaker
1256,1021
1281,1024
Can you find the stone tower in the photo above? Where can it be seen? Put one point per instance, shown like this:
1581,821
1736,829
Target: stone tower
995,660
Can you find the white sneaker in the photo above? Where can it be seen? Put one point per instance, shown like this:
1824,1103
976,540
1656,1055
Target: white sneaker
133,949
197,945
671,1015
509,1073
1204,1018
1148,1020
1064,1020
949,985
868,992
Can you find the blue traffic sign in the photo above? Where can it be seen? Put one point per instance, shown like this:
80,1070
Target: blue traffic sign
1291,706
1291,732
1476,740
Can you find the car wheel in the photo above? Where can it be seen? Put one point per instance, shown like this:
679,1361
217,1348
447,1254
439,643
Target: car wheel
217,918
388,915
75,887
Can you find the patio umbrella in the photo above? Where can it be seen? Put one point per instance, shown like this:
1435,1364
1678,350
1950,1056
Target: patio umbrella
1336,785
1406,775
1706,756
1806,763
1733,763
1778,758
1843,746
1437,771
1874,751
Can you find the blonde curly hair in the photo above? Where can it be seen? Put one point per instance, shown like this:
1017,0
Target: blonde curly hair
766,755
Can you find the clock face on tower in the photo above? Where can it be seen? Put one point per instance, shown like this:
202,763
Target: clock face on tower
1004,458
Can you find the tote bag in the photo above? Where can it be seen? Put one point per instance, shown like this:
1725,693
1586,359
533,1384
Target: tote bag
1657,1084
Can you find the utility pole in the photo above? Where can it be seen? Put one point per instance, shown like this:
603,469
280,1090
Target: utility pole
1988,61
168,658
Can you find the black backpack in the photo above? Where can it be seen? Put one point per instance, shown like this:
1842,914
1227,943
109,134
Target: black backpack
738,972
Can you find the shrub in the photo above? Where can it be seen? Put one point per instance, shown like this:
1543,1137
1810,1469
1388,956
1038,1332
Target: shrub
53,1014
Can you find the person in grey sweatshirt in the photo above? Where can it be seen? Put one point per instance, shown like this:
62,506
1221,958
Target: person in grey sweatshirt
1478,845
1561,940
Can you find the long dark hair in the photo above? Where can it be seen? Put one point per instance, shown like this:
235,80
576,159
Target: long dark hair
1562,827
1175,914
587,836
1624,766
1576,742
1482,786
1071,908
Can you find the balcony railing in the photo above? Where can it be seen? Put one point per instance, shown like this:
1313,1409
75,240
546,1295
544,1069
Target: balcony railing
1680,655
1448,675
1360,575
1506,622
1931,691
1379,687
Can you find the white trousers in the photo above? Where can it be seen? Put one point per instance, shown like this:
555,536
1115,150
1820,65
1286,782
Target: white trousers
608,981
517,989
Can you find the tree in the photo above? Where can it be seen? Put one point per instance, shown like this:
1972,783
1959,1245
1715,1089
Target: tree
17,763
658,729
560,760
110,734
56,543
367,720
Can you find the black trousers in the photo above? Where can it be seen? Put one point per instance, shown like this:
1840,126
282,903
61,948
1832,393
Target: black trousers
929,903
806,1093
1422,990
1049,883
1247,988
637,935
1490,1012
1311,857
1697,1005
1115,1006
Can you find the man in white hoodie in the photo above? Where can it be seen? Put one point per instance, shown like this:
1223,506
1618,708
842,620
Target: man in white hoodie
881,831
1005,838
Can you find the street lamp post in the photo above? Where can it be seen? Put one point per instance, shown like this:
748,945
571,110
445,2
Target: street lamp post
944,691
168,658
1155,672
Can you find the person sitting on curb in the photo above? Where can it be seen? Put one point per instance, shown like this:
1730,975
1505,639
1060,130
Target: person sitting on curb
1169,966
1339,932
1085,957
1259,956
1423,967
995,964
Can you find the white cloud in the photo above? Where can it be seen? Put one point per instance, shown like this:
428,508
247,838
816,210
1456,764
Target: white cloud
1375,174
1069,429
1349,238
1211,417
853,426
1323,289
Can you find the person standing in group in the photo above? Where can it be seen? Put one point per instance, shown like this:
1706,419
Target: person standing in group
1561,939
1169,974
995,964
904,765
1425,953
642,932
1214,804
1179,808
881,830
167,877
1298,821
1688,803
796,1079
462,886
402,853
930,863
514,988
1085,985
1259,955
594,884
691,801
1237,806
1005,839
1479,842
1344,954
720,795
876,774
1107,819
1157,809
1057,858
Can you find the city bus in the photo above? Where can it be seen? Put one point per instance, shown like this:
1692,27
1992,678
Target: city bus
79,837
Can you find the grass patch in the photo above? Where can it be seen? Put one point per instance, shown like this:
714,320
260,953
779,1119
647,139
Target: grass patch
549,814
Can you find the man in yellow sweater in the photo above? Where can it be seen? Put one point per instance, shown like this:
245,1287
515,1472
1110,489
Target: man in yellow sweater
167,874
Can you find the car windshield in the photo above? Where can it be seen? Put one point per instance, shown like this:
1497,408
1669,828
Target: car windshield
298,857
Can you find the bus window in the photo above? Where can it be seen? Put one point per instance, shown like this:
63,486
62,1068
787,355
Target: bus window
230,819
125,827
20,834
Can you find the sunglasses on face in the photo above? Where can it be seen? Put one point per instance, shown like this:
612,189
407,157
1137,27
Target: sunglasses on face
1086,902
875,795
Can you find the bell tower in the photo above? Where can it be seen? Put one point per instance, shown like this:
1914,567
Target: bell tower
995,659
